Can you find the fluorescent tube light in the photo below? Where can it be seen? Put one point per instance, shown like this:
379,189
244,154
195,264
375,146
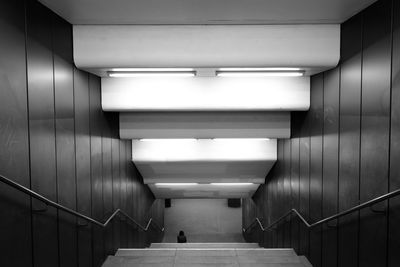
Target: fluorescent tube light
127,74
166,140
259,69
193,139
154,69
231,184
259,74
175,184
241,139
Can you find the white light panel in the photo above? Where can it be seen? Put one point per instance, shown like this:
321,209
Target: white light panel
178,150
206,94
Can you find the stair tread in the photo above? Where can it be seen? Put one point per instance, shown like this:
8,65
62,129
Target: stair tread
207,257
115,261
204,245
268,259
146,252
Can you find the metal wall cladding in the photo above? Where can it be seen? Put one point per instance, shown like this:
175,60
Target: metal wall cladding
347,146
55,139
15,207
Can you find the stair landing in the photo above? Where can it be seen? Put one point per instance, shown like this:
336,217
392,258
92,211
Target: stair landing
207,255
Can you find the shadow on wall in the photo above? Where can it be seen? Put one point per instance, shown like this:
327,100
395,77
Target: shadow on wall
203,220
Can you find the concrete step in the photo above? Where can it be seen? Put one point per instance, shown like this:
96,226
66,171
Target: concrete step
146,252
207,257
114,261
268,259
204,245
273,252
207,251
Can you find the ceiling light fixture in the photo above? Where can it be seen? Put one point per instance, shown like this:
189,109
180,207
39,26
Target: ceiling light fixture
175,184
241,139
153,69
259,74
259,69
231,184
200,139
131,74
166,140
152,72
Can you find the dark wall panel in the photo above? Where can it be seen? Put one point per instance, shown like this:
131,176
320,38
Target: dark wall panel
122,171
375,124
394,182
15,230
65,138
83,177
349,147
287,191
295,190
330,165
96,163
107,181
42,132
279,207
116,189
304,204
316,179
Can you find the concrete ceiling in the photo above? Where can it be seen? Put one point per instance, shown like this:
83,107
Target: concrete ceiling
203,125
205,161
206,11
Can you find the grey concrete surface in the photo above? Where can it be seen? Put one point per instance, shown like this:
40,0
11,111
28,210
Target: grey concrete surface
203,221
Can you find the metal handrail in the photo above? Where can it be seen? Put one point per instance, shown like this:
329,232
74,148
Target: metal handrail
77,214
327,219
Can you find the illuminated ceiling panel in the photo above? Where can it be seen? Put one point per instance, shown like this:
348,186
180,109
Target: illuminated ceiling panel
206,94
204,161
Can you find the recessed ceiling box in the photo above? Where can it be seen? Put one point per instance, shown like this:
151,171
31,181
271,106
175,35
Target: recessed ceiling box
204,161
206,94
199,125
204,191
310,47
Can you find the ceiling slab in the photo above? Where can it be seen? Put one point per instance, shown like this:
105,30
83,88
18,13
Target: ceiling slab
202,125
206,11
206,46
204,191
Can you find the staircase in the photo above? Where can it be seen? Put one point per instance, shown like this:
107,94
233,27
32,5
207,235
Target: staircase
207,255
